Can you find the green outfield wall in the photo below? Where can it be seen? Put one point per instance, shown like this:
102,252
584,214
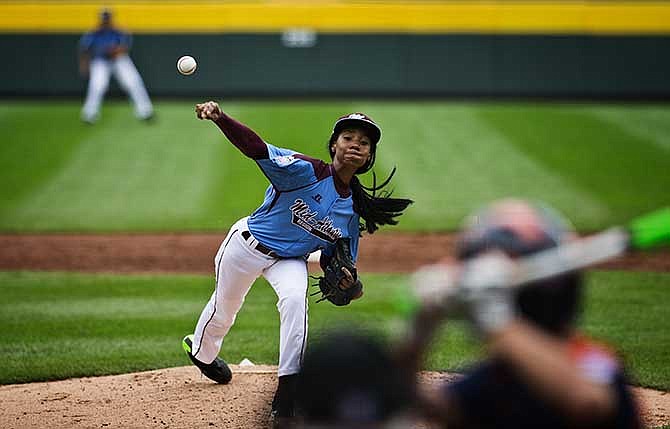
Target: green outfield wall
523,48
360,64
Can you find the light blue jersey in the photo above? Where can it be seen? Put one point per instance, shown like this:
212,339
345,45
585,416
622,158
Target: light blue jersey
99,43
306,207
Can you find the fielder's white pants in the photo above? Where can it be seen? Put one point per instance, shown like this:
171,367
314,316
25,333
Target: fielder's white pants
237,265
129,79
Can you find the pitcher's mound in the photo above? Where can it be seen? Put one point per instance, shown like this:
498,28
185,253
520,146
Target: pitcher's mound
181,397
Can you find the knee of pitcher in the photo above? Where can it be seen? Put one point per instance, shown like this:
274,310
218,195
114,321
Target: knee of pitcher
293,303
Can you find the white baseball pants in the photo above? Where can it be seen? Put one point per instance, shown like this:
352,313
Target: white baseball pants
237,265
129,79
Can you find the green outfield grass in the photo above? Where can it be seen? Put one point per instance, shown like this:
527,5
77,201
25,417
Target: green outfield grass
58,325
598,163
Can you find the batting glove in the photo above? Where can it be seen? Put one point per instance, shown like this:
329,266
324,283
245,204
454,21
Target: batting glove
484,293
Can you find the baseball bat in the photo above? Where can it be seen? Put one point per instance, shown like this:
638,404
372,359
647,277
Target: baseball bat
439,285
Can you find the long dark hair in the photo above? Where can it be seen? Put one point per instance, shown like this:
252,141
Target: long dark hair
376,209
373,204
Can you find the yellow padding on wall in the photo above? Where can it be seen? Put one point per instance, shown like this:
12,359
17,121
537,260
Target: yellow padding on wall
501,17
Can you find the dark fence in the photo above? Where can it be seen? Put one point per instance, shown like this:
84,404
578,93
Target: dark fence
361,65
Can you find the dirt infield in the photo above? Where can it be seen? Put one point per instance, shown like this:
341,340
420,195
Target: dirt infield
180,397
194,253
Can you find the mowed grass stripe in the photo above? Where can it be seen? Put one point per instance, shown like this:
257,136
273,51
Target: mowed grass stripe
59,325
129,172
38,140
649,123
451,160
176,174
599,156
182,174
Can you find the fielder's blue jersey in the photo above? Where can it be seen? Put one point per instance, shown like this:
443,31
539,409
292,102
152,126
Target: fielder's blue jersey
99,43
306,207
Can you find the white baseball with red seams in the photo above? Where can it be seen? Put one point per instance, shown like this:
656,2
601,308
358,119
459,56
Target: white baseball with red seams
186,65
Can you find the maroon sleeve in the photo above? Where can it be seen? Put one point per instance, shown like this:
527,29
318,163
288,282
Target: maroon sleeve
243,137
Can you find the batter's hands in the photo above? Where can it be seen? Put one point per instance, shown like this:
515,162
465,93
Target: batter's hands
208,110
483,289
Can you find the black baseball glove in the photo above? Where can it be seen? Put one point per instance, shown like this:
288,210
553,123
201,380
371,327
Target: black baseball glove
339,271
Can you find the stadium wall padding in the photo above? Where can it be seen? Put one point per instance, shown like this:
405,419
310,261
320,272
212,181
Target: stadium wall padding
260,65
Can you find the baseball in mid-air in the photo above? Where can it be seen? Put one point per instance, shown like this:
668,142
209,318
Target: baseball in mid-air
186,65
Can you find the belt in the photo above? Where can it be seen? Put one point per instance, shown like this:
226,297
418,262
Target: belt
261,248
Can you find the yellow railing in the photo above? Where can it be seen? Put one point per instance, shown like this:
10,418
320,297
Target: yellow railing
491,17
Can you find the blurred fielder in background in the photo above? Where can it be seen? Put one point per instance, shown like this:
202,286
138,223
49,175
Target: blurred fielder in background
540,371
105,51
